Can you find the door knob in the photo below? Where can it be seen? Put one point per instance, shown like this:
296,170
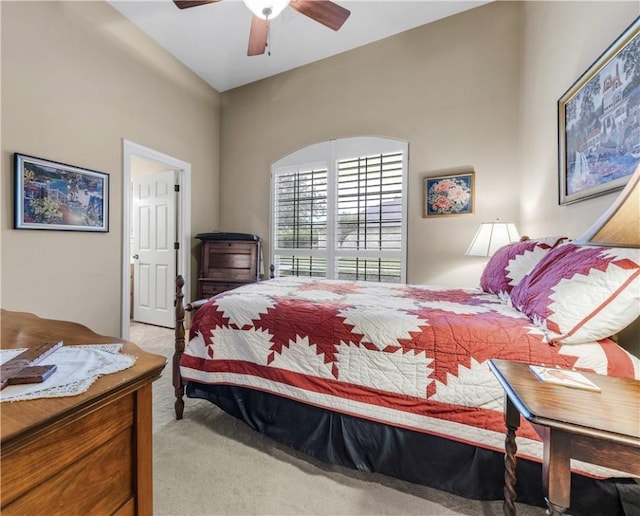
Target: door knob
135,257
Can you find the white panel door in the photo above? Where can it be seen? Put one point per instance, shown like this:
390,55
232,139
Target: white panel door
154,255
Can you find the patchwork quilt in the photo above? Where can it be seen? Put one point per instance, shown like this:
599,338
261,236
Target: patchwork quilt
409,356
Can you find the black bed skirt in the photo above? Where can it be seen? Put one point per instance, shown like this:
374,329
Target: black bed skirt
436,462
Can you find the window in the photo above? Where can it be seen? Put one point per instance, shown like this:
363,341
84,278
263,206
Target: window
339,210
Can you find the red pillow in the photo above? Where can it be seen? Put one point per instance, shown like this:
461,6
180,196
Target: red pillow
581,293
512,262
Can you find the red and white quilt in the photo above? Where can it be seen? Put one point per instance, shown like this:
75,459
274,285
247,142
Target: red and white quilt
405,355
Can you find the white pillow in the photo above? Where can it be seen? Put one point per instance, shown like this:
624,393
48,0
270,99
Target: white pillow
581,293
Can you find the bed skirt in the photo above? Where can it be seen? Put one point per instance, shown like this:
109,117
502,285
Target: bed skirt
451,466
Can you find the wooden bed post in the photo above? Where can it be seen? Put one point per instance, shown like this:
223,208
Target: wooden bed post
181,309
178,385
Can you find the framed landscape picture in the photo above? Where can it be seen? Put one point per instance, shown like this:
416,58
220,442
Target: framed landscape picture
51,195
452,194
599,123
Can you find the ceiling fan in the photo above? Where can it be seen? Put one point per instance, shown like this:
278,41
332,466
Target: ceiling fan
323,11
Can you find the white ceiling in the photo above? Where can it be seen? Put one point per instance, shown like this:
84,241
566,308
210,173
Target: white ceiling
212,39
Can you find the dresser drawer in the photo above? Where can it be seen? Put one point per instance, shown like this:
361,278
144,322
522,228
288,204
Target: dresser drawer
55,469
230,261
107,470
210,288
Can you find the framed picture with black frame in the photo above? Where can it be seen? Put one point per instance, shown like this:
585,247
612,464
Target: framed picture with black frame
451,194
599,123
57,196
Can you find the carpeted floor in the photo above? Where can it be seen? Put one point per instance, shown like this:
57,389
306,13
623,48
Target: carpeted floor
212,464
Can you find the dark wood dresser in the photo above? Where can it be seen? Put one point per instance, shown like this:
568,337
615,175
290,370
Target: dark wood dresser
85,454
227,260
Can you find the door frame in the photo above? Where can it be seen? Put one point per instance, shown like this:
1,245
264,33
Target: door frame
183,226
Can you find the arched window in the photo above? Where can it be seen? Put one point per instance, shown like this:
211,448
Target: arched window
339,210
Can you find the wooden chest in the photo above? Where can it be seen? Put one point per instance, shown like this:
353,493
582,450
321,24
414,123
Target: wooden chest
226,264
84,454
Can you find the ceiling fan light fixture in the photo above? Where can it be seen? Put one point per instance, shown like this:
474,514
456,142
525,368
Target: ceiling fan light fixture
266,9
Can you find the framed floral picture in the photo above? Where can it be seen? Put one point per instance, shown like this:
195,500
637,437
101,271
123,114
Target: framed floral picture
452,194
52,195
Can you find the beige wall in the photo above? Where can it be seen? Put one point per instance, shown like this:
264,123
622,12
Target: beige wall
476,90
561,41
77,78
451,89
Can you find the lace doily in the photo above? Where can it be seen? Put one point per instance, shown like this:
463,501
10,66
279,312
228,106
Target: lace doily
78,368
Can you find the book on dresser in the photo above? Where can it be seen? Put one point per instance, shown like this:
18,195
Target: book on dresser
227,260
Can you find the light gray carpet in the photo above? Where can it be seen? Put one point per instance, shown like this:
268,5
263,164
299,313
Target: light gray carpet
209,463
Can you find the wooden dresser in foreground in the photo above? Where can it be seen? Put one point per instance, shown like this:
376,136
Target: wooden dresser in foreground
85,454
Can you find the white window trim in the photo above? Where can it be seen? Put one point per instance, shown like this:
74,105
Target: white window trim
326,154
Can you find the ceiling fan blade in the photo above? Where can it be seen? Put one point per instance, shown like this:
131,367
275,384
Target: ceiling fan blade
185,4
329,14
258,36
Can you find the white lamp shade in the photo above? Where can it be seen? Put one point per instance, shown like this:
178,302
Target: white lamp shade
619,226
491,236
266,8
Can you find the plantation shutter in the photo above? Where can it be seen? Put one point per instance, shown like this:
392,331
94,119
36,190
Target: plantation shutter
369,226
339,211
301,222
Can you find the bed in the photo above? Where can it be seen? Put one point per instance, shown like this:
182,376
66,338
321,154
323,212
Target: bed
394,378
